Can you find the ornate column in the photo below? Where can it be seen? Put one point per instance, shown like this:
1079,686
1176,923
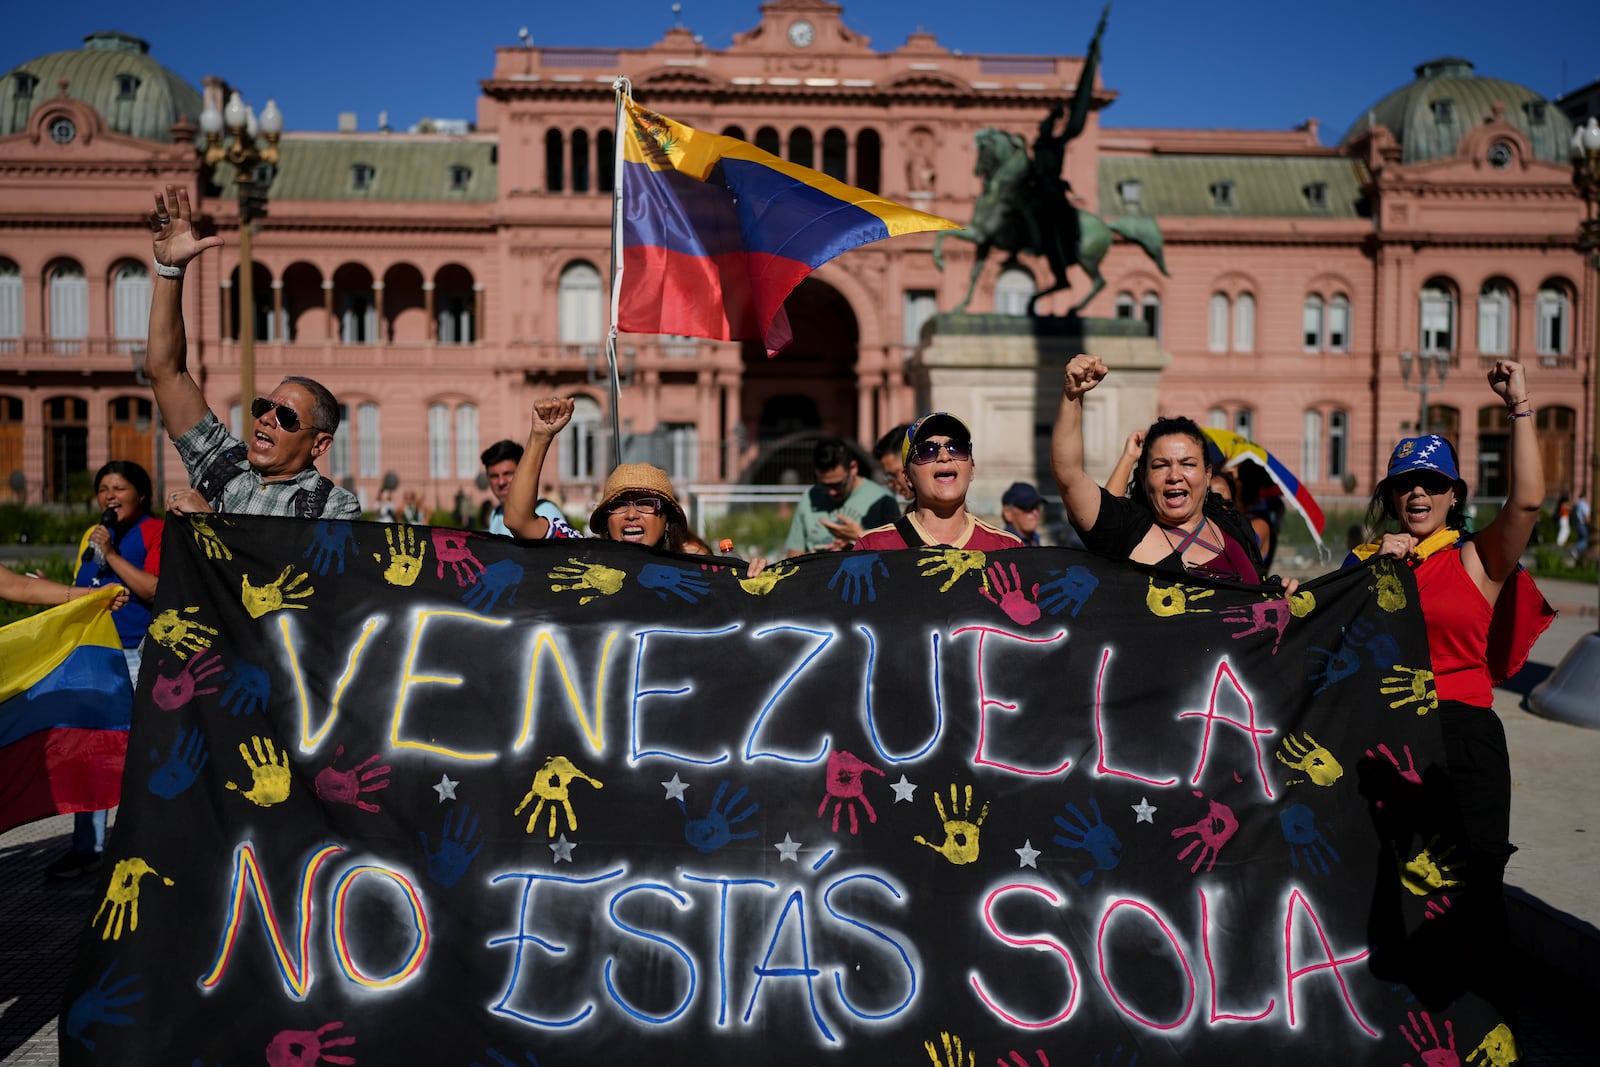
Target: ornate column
427,309
480,311
330,333
377,313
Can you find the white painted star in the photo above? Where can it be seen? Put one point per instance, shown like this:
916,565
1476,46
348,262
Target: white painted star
902,790
563,848
446,788
1145,810
1028,854
675,787
788,849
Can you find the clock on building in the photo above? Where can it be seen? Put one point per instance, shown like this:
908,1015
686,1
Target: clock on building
801,33
63,131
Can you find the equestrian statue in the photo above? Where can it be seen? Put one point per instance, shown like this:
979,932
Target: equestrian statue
1024,207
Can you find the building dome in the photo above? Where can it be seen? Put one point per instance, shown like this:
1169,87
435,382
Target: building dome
114,74
1430,115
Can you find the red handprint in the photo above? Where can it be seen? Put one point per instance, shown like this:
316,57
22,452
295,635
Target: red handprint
307,1048
1408,773
1012,600
1213,831
1434,1054
1437,908
345,787
172,693
845,788
450,546
1263,616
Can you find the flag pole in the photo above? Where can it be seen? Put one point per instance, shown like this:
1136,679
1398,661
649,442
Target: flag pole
624,90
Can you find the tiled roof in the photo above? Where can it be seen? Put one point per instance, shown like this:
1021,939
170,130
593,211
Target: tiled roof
1174,186
403,168
94,74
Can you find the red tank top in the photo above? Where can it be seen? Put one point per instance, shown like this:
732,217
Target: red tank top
1457,617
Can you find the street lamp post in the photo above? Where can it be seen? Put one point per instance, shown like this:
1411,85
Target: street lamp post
246,155
1568,694
1435,363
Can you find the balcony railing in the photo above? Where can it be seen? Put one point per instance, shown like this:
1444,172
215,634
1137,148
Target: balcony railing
121,348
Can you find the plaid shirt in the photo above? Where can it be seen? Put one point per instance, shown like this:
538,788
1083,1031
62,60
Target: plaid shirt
247,493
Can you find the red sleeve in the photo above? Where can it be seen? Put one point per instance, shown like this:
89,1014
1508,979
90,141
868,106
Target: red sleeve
151,530
882,539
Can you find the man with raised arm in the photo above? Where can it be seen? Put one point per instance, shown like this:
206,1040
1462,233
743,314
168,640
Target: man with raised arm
275,472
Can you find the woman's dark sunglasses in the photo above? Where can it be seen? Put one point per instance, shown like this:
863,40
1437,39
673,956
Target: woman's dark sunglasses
644,505
288,418
928,451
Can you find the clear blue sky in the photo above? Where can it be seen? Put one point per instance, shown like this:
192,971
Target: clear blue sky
1246,64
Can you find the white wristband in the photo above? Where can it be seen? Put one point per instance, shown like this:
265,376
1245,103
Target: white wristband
166,271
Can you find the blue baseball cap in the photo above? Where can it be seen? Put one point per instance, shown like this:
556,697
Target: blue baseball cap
1430,452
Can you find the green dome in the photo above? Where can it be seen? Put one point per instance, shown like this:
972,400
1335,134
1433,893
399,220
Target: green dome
113,73
1429,116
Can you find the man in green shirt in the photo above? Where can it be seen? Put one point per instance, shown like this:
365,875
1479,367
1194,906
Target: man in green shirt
839,505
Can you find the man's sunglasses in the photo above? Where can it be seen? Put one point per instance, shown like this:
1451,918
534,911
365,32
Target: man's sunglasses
924,452
644,505
288,418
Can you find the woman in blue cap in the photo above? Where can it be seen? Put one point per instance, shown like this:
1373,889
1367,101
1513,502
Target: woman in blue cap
1459,585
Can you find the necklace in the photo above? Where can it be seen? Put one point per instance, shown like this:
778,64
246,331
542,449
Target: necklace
1190,537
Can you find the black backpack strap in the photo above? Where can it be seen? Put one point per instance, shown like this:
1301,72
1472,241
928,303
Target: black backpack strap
908,533
308,503
219,472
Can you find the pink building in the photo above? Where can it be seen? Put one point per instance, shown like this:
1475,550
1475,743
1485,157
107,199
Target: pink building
439,282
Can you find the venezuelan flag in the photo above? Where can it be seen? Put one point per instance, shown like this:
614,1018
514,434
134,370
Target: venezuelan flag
716,232
65,709
1233,449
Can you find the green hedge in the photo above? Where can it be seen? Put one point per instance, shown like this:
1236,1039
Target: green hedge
44,526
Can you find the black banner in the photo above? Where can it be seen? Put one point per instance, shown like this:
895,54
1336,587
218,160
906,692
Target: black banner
401,796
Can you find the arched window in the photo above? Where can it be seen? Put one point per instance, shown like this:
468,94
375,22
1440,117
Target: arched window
1217,418
369,440
1150,311
130,306
869,160
12,435
605,147
836,155
554,152
581,317
1494,318
1244,422
1311,446
1217,323
802,147
338,454
467,449
1244,323
1436,305
1554,310
1124,305
580,443
1012,291
438,441
767,140
1338,326
66,446
11,317
69,308
1338,443
1311,323
580,161
736,132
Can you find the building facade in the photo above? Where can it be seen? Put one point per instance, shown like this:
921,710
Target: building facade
439,282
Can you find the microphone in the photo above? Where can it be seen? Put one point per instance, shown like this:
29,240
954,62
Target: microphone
108,517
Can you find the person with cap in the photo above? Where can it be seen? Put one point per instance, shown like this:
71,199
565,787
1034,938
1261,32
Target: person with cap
1022,507
1170,519
840,506
939,465
1461,587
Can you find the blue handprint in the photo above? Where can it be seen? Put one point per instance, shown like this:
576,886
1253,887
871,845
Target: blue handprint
501,1060
184,760
1335,665
856,570
496,579
95,1004
1073,589
1305,840
1093,836
457,849
248,689
685,585
328,544
715,828
1383,649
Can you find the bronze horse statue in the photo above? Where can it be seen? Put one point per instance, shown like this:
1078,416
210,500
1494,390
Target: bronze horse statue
1017,214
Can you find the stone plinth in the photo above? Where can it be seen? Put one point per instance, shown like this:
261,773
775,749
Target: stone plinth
1002,375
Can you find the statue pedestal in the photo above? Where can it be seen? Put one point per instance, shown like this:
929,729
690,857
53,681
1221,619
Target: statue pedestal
1002,375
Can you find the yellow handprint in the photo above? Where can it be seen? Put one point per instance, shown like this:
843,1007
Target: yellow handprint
181,635
551,787
122,897
1302,604
260,599
578,575
405,555
1391,593
957,562
1317,762
953,1051
1426,873
269,773
763,583
1498,1048
207,538
1415,686
960,844
1166,601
